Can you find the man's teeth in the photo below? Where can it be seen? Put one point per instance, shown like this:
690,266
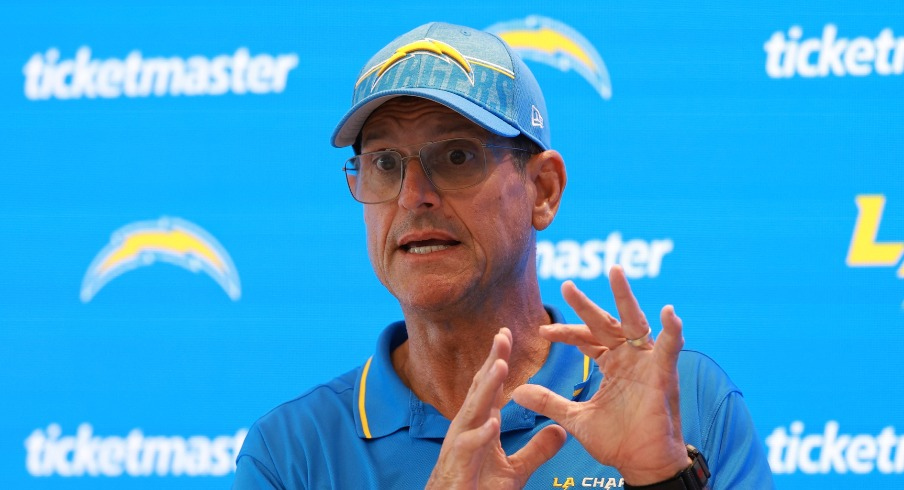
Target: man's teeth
427,249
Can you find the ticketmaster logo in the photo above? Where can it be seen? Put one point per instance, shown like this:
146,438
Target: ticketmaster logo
84,454
47,76
569,259
791,451
829,54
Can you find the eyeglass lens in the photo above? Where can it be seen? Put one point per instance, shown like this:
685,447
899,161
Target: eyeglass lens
450,164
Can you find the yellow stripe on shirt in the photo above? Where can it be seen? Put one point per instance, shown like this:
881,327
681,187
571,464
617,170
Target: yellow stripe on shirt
361,409
584,379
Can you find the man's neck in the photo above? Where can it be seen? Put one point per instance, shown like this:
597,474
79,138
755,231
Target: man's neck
445,349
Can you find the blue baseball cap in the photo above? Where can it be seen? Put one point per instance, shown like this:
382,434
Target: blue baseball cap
470,71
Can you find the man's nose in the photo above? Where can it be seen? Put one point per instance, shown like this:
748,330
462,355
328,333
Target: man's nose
417,190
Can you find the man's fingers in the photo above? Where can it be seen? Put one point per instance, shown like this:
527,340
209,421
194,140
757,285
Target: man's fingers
482,397
544,401
475,428
633,321
465,454
486,387
478,438
543,446
578,336
593,352
568,333
603,325
501,349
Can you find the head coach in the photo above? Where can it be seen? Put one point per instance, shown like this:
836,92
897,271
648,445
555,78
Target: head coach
482,385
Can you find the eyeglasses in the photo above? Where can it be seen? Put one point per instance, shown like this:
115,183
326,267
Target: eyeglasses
451,164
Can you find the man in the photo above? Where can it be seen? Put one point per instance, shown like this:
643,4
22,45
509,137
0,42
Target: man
454,167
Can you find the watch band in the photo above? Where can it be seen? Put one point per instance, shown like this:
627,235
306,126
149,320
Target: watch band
694,477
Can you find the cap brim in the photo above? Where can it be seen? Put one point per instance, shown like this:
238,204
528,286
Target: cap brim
347,130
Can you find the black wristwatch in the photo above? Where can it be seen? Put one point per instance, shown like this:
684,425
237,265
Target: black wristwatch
694,477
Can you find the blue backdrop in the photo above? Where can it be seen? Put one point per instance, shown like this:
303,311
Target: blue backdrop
180,253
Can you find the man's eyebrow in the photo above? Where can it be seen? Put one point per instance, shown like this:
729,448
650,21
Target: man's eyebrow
374,134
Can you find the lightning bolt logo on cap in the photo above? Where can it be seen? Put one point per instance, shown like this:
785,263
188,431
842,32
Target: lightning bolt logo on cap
171,240
424,46
553,43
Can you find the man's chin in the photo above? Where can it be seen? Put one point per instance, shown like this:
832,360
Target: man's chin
429,296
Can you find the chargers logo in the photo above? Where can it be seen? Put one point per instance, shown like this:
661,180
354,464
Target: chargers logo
865,251
427,46
553,43
172,240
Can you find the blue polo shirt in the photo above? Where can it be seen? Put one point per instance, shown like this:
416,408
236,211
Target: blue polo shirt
366,429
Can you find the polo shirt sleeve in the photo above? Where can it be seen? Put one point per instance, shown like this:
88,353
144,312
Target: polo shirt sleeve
255,469
736,455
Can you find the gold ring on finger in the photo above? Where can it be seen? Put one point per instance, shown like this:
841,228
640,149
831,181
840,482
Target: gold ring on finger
640,341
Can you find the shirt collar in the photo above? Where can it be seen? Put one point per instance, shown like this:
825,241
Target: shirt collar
383,404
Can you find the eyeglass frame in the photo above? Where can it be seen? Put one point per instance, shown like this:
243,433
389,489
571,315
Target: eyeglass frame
404,166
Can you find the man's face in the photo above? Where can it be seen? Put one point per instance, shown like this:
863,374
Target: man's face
436,248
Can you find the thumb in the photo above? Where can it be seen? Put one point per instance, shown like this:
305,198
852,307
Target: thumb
543,446
543,401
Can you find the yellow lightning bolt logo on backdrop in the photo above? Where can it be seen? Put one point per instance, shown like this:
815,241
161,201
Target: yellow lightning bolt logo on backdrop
171,240
548,41
177,241
554,43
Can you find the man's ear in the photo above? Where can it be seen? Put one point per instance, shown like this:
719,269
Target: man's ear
547,172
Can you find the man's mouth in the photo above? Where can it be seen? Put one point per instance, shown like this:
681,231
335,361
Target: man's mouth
428,246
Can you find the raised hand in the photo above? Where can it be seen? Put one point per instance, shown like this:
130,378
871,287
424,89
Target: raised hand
472,455
633,421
